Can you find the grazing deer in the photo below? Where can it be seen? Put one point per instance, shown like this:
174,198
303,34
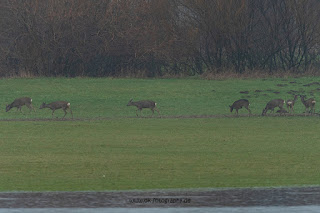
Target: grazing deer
310,103
58,105
144,104
290,104
273,104
19,102
239,104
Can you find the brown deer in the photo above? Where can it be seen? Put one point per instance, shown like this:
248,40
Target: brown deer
144,104
310,103
58,105
273,104
290,104
239,104
19,102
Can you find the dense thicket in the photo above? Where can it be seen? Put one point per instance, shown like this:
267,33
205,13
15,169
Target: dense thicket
150,38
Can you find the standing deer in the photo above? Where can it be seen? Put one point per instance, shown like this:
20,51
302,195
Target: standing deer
19,102
239,104
58,105
290,104
273,104
310,103
144,104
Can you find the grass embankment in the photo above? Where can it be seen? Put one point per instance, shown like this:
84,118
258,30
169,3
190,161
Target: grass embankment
129,153
108,97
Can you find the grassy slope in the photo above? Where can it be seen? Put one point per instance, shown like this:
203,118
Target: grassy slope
154,153
108,97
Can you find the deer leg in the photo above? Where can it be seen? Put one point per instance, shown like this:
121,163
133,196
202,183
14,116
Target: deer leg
65,112
52,113
314,109
71,113
137,112
19,108
157,110
248,110
30,107
290,108
237,111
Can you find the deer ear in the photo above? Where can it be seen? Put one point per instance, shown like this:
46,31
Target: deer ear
131,99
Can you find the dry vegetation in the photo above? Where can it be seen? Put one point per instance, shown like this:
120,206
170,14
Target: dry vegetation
139,38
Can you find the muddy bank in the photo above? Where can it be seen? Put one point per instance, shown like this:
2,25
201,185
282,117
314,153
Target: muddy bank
247,197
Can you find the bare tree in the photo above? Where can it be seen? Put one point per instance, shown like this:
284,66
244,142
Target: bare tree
156,37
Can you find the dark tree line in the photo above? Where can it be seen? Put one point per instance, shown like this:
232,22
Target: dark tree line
150,38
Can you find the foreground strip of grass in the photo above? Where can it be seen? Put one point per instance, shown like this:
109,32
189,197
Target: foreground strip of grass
121,154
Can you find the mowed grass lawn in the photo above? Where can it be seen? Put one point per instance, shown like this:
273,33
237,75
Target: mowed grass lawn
137,153
159,153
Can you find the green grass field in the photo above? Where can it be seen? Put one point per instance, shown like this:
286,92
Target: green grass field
125,152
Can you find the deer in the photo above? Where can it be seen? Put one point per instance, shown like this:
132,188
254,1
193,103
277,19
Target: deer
144,104
310,103
57,105
290,103
239,104
273,104
19,102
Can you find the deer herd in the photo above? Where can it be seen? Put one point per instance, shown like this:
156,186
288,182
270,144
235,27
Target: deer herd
239,104
271,105
19,102
64,105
